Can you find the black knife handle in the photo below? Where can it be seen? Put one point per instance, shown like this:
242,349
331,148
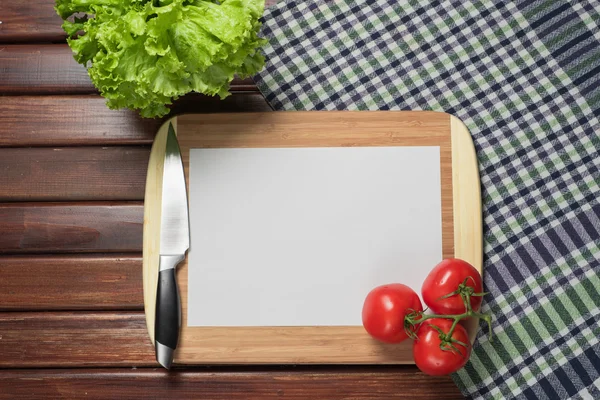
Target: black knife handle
168,307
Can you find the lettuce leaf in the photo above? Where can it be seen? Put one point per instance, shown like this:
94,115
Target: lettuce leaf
143,54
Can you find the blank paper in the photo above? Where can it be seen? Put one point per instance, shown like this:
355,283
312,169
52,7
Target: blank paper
299,236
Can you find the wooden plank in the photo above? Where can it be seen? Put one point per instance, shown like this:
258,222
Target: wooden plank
85,120
60,339
35,21
70,120
51,69
333,383
30,21
73,173
71,227
90,282
42,69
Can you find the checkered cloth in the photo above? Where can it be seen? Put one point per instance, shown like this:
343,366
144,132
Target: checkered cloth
524,77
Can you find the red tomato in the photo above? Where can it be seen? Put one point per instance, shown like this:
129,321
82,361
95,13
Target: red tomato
429,356
385,308
445,278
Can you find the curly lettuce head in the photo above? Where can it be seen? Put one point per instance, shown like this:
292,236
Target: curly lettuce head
143,54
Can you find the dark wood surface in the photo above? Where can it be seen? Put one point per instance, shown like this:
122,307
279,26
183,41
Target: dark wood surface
51,69
71,211
75,339
30,21
71,227
332,383
56,173
78,120
42,69
71,282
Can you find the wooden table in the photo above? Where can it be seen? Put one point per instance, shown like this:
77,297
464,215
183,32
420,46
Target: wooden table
72,177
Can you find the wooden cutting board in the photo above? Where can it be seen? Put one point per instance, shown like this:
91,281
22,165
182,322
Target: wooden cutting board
460,213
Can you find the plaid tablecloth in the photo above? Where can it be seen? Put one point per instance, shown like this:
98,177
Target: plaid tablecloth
524,77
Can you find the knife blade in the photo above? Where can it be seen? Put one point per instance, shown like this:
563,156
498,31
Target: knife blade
174,243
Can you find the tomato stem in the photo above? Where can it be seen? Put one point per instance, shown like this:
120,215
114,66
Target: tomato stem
451,331
415,318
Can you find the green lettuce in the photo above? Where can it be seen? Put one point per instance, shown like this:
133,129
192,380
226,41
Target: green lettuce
143,54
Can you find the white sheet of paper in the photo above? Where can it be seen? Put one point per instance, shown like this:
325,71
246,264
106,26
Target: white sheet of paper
299,236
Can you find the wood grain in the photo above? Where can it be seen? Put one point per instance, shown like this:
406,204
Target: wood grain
69,120
63,339
70,227
30,21
466,189
348,345
468,217
332,383
51,69
42,69
86,282
35,21
103,339
85,120
152,222
73,173
307,128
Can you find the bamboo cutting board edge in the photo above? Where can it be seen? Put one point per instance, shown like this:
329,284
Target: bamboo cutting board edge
152,215
309,345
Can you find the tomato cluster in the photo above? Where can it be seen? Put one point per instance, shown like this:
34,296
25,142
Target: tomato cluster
453,291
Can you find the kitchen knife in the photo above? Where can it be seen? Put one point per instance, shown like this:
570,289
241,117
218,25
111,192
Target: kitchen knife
174,243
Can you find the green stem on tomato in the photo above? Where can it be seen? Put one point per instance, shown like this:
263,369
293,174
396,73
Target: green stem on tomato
423,317
416,318
451,331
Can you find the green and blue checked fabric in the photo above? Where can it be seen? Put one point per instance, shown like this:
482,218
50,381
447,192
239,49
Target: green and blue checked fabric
525,78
